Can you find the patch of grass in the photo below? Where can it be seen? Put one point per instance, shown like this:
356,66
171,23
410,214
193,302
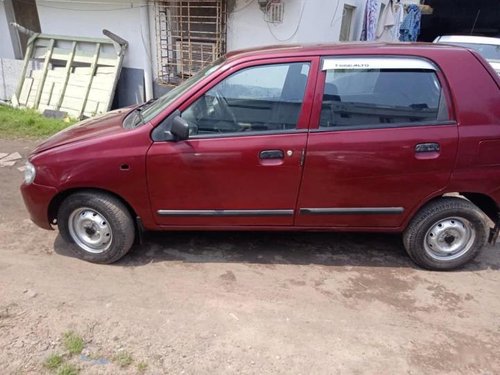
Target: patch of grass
73,343
16,122
142,367
123,359
68,369
53,361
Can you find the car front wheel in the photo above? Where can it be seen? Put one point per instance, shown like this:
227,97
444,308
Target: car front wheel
98,224
446,234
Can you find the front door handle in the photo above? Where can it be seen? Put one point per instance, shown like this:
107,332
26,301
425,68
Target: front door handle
271,154
427,147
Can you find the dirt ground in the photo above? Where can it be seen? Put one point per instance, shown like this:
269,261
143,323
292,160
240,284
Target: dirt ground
250,303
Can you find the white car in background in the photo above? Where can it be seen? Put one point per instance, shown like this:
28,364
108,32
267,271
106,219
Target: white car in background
487,47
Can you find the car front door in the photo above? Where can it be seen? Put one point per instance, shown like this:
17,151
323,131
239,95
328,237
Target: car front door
384,141
241,165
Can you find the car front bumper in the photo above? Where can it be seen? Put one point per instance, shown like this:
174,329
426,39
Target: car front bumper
37,199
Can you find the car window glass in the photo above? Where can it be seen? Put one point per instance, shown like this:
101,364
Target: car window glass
159,105
364,97
262,98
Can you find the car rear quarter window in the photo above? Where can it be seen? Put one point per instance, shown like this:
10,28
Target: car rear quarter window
381,92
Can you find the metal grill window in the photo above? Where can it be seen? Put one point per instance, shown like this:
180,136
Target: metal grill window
190,35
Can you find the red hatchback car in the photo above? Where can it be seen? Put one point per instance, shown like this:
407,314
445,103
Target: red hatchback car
387,138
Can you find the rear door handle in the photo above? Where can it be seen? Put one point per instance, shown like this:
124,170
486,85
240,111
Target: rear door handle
271,154
427,147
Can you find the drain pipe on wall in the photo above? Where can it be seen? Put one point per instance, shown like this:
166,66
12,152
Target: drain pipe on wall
146,38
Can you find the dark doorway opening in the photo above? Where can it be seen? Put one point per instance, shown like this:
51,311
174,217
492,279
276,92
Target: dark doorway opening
461,17
24,13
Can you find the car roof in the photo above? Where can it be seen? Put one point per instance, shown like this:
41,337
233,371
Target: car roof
473,39
338,48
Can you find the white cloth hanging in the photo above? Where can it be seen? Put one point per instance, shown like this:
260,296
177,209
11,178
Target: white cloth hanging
387,24
399,15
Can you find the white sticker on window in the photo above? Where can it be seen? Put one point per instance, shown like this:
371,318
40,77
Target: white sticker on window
375,63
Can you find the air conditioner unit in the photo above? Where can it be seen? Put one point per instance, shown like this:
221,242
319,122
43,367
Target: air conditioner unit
192,56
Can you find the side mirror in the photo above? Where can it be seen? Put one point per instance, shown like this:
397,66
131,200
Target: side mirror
179,129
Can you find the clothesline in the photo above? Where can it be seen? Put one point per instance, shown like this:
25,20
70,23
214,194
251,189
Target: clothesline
397,22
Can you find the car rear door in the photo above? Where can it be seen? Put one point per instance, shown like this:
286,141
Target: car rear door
241,165
382,140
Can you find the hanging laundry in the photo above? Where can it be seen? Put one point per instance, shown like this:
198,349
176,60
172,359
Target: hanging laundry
370,20
387,23
399,16
410,28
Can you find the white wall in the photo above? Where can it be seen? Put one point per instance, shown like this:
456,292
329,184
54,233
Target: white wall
88,18
6,50
305,21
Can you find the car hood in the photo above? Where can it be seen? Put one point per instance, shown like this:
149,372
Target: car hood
104,125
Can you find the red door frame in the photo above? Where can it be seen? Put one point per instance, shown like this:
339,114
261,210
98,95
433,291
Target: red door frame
232,142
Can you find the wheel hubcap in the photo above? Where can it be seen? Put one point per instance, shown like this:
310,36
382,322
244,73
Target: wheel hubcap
90,230
449,238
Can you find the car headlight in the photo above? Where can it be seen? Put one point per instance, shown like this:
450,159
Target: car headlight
29,173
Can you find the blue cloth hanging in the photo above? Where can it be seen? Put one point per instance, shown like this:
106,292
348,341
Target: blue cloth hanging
410,28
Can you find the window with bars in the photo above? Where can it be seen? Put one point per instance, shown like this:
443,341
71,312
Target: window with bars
190,35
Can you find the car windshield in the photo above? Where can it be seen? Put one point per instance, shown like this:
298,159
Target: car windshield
151,109
488,51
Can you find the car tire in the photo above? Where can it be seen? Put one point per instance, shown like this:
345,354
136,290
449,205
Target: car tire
98,225
446,234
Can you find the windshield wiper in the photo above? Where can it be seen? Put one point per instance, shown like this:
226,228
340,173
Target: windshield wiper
138,112
142,106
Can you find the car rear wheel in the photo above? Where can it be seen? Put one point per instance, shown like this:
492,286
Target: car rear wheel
98,224
446,234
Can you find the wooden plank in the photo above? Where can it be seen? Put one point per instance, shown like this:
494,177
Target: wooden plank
106,70
36,74
105,58
104,84
116,76
44,74
55,96
67,72
25,91
70,106
26,61
83,70
72,39
93,70
91,108
108,60
51,92
74,104
61,54
99,95
39,52
74,91
81,82
56,74
30,101
41,42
